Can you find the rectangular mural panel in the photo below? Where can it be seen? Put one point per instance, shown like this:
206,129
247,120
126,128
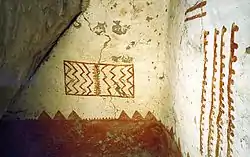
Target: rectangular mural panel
99,79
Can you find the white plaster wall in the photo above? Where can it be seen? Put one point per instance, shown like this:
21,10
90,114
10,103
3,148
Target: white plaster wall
149,54
168,61
190,72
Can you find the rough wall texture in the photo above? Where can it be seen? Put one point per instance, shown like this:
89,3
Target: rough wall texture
122,65
223,129
28,30
149,56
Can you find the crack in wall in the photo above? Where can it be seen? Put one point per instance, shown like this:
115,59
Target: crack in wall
114,107
104,46
89,24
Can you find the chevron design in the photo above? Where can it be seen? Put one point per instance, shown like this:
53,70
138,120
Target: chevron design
78,79
105,79
60,137
74,116
131,71
94,79
118,80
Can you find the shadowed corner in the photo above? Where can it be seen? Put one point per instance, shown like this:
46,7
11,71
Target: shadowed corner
73,136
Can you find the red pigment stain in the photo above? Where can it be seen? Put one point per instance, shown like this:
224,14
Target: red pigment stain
123,137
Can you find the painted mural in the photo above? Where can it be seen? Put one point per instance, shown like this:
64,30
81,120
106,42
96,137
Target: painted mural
198,5
72,136
120,45
218,106
92,79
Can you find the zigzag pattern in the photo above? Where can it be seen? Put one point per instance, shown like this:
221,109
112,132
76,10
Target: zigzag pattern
88,87
85,79
71,79
77,81
130,70
74,116
121,79
116,82
105,79
112,78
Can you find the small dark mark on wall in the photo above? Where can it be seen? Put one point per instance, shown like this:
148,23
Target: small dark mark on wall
149,3
162,77
124,59
100,28
123,12
166,10
149,18
77,24
248,50
118,29
132,44
114,6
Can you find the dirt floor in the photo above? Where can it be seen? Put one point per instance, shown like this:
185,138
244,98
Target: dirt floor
74,137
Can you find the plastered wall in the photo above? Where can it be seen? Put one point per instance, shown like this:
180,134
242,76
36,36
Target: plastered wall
120,48
28,30
151,55
222,130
